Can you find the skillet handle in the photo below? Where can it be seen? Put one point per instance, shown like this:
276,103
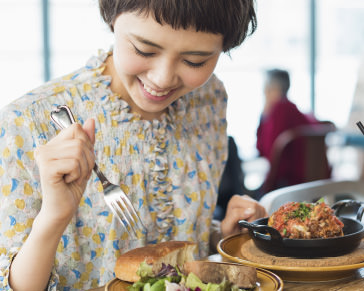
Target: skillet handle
275,235
359,214
349,208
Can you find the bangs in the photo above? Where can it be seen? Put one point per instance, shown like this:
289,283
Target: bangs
186,14
234,19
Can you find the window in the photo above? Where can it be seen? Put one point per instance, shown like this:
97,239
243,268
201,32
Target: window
20,48
340,41
282,40
77,33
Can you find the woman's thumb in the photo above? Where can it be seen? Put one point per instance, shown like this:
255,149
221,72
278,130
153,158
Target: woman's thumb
89,128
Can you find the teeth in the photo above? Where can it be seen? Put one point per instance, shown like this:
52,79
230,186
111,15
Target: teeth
154,93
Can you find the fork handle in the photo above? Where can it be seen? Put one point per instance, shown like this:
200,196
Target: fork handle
62,116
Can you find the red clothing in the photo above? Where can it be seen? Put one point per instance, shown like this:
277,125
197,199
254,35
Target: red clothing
284,115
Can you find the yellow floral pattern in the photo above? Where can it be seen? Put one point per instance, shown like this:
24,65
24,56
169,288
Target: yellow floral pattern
170,168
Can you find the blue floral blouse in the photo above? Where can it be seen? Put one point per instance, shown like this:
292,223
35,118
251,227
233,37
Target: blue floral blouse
170,169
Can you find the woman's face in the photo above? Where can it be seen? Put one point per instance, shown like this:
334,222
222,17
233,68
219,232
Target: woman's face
153,64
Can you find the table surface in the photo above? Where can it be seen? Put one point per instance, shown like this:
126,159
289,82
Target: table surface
355,282
352,283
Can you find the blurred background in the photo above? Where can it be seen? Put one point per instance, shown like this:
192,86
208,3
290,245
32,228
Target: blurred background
319,42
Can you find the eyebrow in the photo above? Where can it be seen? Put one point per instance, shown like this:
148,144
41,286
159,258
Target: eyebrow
150,43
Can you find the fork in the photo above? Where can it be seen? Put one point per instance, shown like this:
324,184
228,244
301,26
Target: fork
115,198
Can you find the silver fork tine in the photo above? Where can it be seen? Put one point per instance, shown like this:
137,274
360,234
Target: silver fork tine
117,214
124,201
134,215
135,221
120,215
122,207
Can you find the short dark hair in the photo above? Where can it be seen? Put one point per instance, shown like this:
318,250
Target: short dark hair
234,19
280,78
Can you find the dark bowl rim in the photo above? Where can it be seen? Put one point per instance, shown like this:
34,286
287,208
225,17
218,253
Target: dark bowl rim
265,237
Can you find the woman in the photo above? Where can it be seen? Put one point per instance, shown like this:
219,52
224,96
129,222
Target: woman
153,118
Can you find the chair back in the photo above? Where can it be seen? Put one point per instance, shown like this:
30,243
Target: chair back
331,190
311,141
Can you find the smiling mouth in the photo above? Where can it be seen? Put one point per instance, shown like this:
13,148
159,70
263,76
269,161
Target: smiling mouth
155,93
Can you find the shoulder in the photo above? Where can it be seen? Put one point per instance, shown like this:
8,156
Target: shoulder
203,106
61,88
33,104
29,115
212,89
210,96
43,92
285,106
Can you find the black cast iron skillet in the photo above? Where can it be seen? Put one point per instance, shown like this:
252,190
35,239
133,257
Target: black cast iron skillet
269,240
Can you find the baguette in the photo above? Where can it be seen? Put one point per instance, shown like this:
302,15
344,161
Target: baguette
174,253
213,272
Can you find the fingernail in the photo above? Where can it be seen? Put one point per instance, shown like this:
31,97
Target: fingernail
249,211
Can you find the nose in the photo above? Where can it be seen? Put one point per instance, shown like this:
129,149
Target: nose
164,74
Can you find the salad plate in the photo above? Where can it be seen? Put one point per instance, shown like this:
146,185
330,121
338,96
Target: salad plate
267,281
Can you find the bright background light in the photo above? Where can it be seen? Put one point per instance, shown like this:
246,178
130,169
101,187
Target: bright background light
281,40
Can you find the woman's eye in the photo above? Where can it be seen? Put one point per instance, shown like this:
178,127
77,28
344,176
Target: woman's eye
194,65
141,53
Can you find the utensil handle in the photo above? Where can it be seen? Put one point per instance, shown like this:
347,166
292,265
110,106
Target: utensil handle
275,235
62,116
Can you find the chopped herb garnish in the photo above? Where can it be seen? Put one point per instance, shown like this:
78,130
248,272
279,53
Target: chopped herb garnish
302,212
321,200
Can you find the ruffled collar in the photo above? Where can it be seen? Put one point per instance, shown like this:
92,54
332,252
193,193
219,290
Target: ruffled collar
120,109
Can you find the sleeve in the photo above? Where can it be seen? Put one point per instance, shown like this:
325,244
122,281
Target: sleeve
20,197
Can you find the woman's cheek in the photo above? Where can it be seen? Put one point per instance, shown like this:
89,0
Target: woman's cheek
197,78
126,61
132,65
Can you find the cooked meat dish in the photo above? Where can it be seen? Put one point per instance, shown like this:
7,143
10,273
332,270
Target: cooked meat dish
301,220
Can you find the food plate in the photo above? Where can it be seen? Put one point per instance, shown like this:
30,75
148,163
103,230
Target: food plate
267,281
274,244
229,248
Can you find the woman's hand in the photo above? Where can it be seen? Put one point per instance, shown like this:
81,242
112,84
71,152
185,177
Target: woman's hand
65,165
240,207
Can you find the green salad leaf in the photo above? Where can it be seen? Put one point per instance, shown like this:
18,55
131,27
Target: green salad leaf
148,282
145,270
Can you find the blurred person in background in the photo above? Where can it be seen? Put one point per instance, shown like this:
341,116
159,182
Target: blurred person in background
280,114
